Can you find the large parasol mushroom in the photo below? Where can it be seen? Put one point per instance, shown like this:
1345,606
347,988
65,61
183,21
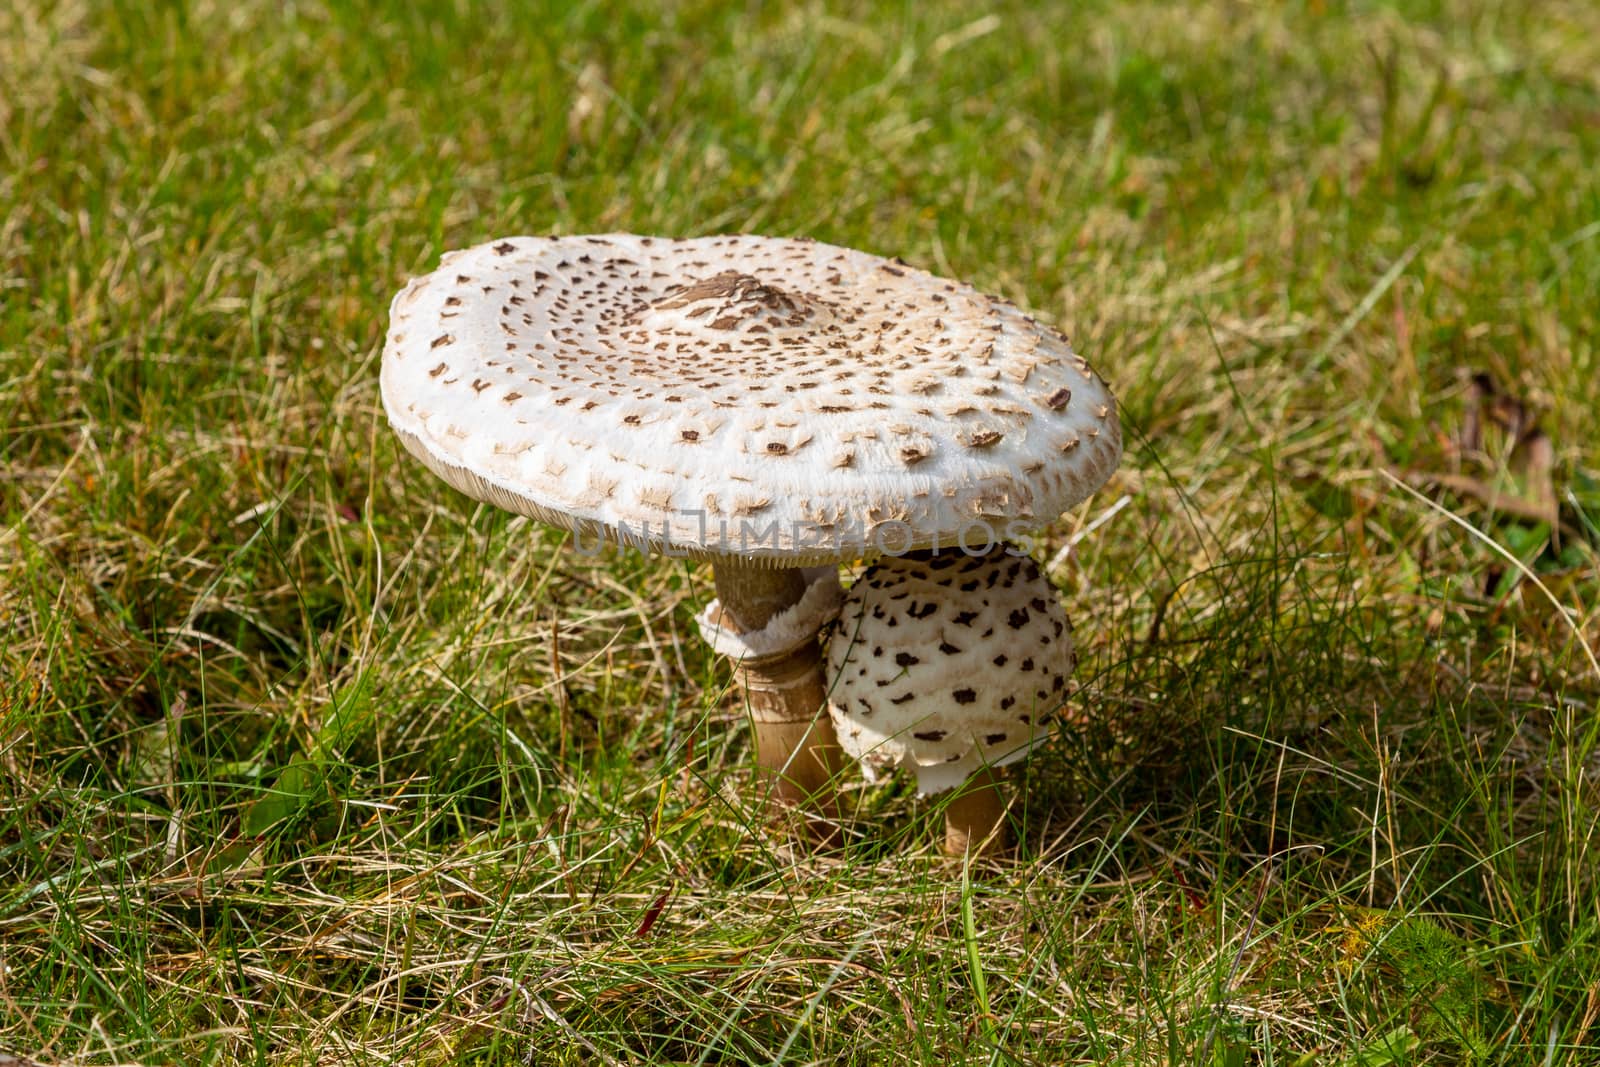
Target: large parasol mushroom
762,403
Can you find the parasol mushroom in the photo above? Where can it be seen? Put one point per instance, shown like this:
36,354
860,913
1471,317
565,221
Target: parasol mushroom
766,404
950,664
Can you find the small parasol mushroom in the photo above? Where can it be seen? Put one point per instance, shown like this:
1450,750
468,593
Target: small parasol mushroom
950,664
763,403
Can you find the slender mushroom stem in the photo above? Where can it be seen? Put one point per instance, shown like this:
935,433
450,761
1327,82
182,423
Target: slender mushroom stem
753,595
786,694
975,819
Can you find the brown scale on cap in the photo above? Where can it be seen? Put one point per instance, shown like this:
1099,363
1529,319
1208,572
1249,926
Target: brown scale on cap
828,380
946,663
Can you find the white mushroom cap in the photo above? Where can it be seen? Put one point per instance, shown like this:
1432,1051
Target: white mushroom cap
779,400
946,663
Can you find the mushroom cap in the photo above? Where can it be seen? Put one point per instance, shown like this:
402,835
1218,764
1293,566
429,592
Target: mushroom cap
946,663
783,401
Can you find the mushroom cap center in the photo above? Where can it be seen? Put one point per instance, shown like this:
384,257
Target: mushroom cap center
733,302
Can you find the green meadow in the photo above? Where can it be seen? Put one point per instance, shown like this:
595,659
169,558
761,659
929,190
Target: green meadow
306,758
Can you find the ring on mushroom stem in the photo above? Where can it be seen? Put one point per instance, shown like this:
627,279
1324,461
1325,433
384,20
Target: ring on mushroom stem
766,404
782,683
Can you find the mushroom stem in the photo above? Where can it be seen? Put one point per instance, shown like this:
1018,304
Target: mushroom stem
751,595
975,818
786,695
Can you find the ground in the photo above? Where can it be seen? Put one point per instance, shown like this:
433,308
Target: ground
305,758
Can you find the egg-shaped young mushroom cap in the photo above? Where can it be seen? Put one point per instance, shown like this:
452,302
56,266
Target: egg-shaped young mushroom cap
946,663
784,401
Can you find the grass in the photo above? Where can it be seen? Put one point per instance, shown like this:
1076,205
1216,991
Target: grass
306,759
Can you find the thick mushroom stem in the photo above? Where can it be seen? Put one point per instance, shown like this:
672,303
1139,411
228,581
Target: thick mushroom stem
786,694
975,818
